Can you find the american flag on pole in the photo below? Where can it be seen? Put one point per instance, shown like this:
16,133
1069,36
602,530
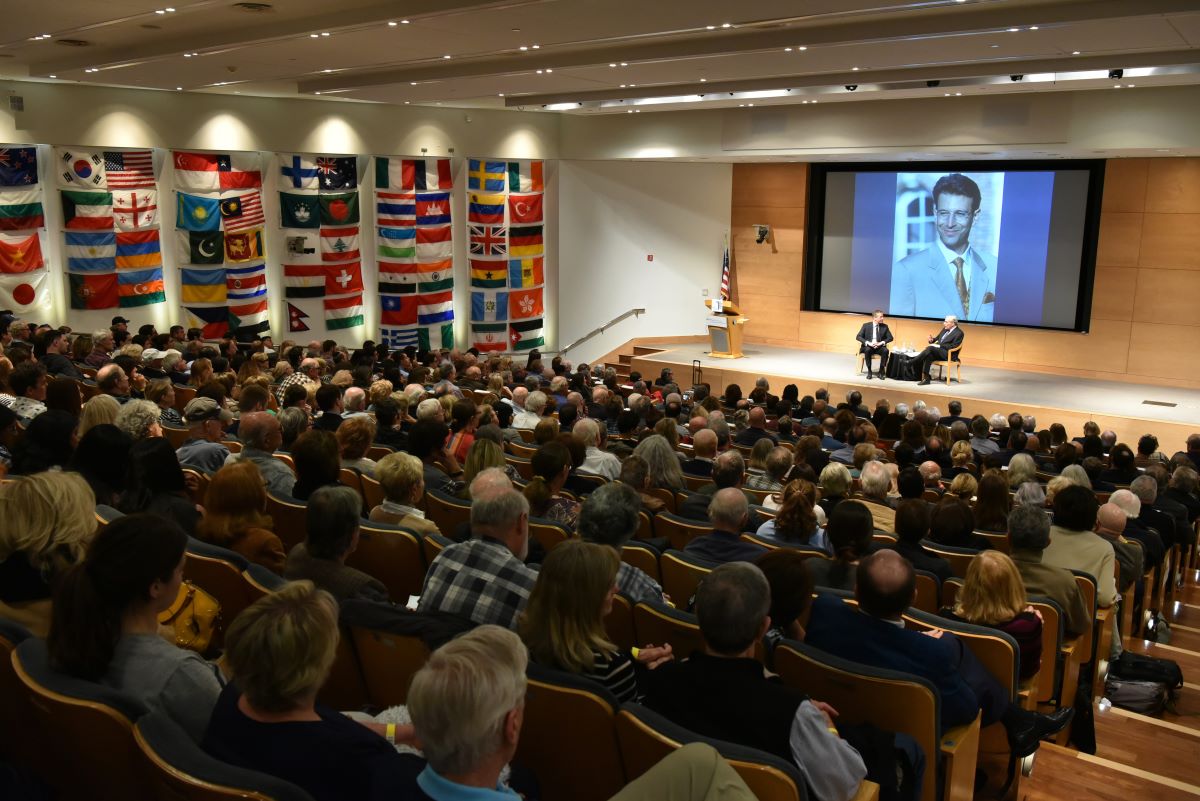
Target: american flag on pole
725,273
129,169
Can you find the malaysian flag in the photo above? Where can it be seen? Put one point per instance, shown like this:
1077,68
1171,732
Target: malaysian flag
129,169
725,274
242,210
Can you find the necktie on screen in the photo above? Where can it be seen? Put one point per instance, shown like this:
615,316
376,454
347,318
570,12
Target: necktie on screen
874,333
963,295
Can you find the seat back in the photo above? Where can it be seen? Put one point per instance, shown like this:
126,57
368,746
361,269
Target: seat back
997,540
681,574
645,738
234,445
928,592
391,554
184,393
643,558
679,531
996,650
548,533
759,496
222,574
352,478
174,767
388,662
1087,641
521,450
377,452
291,519
199,480
585,766
286,458
1052,641
372,491
12,711
432,545
665,495
645,529
523,466
959,558
656,624
175,436
696,483
446,510
618,623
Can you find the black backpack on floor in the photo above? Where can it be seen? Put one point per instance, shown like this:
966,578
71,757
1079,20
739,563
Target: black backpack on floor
1143,684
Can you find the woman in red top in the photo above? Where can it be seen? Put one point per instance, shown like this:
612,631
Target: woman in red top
464,419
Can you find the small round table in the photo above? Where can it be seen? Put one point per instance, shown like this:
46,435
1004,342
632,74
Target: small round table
902,365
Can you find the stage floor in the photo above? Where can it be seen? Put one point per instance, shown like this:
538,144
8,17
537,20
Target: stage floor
1004,389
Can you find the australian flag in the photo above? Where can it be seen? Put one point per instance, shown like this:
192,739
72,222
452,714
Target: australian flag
18,166
337,172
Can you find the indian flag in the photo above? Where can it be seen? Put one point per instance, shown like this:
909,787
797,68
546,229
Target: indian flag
344,312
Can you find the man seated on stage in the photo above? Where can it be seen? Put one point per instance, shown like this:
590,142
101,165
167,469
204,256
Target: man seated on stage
950,337
873,340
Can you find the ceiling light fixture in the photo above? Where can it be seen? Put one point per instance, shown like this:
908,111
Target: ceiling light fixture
523,47
1033,27
710,27
854,69
51,76
787,49
1074,52
726,25
802,48
412,83
549,70
704,80
446,56
1012,30
314,36
403,22
537,47
406,102
624,64
393,24
539,72
500,95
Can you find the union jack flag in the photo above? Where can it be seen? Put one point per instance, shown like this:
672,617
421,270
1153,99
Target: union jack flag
488,240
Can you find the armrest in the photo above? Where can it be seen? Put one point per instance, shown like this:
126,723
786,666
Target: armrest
960,754
959,738
867,791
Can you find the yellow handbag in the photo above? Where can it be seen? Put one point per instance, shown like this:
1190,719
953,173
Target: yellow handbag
193,616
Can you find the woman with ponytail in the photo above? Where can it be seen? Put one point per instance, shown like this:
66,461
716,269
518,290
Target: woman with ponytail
104,625
551,466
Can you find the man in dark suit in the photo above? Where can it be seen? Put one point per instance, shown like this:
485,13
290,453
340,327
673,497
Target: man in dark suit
704,450
873,340
870,634
728,512
940,344
955,415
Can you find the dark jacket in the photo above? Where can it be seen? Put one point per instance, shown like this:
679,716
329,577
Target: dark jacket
724,546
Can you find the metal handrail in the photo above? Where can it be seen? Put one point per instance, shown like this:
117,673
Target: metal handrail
600,330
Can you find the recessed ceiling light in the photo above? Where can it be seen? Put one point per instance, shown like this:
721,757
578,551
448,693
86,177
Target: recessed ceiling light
324,33
549,70
814,102
946,94
1033,27
1074,52
393,24
958,94
854,69
787,49
412,83
446,56
539,72
316,93
802,48
524,47
406,102
314,36
726,25
612,65
403,22
1012,30
537,47
633,86
500,95
622,86
751,105
624,64
702,80
710,27
629,111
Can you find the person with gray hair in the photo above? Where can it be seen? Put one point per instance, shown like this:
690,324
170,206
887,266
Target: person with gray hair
484,579
1029,533
1151,541
876,481
262,435
722,692
431,409
1031,493
293,422
1150,517
333,527
727,512
596,460
610,517
354,402
140,419
778,465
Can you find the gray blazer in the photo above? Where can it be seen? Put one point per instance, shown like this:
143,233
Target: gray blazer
922,286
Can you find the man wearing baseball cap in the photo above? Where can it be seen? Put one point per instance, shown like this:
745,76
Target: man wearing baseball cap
206,422
152,360
119,323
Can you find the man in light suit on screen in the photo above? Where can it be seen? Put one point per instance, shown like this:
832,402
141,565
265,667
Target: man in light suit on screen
952,277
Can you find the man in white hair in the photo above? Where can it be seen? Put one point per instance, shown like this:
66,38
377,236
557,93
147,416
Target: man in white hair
597,461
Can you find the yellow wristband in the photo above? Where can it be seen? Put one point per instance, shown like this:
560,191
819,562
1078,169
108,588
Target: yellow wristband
635,651
834,731
391,733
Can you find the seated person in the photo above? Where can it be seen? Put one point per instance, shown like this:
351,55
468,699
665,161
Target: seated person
994,595
610,517
563,624
873,339
756,430
279,652
206,422
1029,531
728,470
940,345
872,634
796,522
104,626
315,455
427,442
333,528
551,464
235,516
953,523
728,513
261,436
1075,545
704,450
773,477
912,526
1123,466
741,703
876,482
402,478
849,533
354,438
156,484
485,579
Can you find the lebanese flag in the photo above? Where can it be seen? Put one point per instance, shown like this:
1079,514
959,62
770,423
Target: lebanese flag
339,244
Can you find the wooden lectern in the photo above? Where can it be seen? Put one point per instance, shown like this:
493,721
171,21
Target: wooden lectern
725,330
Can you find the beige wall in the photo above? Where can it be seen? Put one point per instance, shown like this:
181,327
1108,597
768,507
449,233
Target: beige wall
1143,324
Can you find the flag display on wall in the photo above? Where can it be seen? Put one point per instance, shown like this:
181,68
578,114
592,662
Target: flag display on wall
414,252
507,247
24,285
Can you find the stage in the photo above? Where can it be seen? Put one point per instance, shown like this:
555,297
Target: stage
1052,398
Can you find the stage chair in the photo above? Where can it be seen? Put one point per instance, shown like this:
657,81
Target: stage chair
175,767
584,765
893,701
393,555
659,624
952,360
681,574
548,533
446,510
291,519
643,558
618,624
679,530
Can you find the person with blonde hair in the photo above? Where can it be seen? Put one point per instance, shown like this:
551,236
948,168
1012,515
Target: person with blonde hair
662,463
235,507
98,410
48,522
201,372
835,486
354,438
963,486
563,623
378,391
756,462
279,652
962,459
993,595
547,430
402,477
484,454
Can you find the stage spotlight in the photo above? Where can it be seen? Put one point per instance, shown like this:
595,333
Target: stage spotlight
932,84
1116,75
1015,78
761,232
850,87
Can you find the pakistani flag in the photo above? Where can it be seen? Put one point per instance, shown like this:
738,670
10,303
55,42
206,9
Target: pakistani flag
299,211
201,247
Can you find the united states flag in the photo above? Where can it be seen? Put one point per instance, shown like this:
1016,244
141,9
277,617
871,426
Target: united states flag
129,169
725,275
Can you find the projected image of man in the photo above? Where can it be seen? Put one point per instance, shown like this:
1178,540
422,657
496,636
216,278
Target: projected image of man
952,277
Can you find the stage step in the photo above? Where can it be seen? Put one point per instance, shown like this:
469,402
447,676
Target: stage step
642,350
625,358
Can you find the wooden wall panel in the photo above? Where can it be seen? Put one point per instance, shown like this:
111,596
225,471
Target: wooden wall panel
1161,350
1113,293
1167,296
1125,184
1171,241
1120,239
1173,186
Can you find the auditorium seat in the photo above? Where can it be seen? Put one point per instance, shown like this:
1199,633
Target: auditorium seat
377,452
569,738
679,531
696,483
645,529
953,359
1054,641
681,574
928,592
197,487
184,393
526,434
175,767
445,510
523,466
521,450
391,554
664,495
352,478
226,576
432,545
807,551
618,624
291,519
234,446
372,491
998,541
959,558
595,480
642,557
548,533
176,436
286,458
658,624
759,496
12,713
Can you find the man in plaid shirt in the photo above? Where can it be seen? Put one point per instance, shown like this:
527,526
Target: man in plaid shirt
485,579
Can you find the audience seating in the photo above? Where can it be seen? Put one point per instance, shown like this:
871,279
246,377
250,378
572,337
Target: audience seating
997,540
681,574
291,519
597,481
645,526
377,452
176,436
1057,652
183,395
679,531
959,558
526,434
229,577
198,487
524,467
234,446
928,592
286,458
351,477
12,715
393,555
432,545
521,450
175,767
372,491
807,551
665,495
696,483
658,624
618,623
759,496
548,533
445,510
642,557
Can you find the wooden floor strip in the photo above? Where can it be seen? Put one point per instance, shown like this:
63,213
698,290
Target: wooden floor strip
1145,775
1166,724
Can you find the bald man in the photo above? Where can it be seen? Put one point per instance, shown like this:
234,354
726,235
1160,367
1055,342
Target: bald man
1111,521
261,437
727,511
704,450
757,429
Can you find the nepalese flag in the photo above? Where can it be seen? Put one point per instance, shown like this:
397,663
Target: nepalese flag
296,318
213,321
139,249
395,209
343,278
21,253
94,291
435,307
337,172
21,209
80,168
135,208
525,240
488,240
434,244
244,245
196,213
18,166
249,318
398,310
526,334
489,307
87,211
340,209
202,286
339,244
486,176
526,176
419,174
129,169
489,273
487,337
141,287
210,172
433,208
341,313
299,211
525,208
91,251
398,244
487,209
304,280
297,172
201,247
525,303
246,283
242,209
526,272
